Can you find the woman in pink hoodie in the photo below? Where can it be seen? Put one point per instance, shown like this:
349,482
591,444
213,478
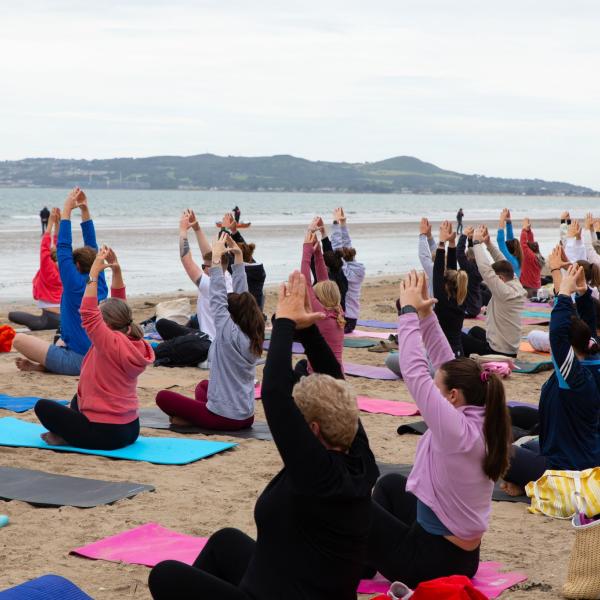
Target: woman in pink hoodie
104,413
431,524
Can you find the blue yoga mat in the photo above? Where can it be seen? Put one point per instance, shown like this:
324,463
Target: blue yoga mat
379,324
158,450
47,587
21,404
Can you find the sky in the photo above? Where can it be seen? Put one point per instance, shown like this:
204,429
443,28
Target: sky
508,89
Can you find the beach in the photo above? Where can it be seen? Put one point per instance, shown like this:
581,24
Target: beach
221,491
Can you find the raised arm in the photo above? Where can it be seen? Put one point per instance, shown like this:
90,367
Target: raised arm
340,238
574,247
194,272
589,236
238,270
201,238
427,247
307,253
64,247
496,285
461,253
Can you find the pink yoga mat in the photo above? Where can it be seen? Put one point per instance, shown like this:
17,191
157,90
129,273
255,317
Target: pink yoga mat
369,371
489,580
376,335
145,545
396,408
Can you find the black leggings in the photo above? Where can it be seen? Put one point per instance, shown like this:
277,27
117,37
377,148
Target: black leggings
47,320
168,329
400,549
216,573
475,342
77,430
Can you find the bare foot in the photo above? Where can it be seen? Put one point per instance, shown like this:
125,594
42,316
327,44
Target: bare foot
24,364
179,422
52,439
512,489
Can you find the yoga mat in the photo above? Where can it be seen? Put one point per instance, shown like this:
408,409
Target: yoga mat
377,324
527,368
48,489
21,404
297,347
403,469
535,321
536,314
161,451
146,545
369,371
47,587
154,418
359,343
527,347
517,403
418,428
358,333
396,408
489,580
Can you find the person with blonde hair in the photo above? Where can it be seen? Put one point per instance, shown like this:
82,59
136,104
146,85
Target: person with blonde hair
324,297
449,288
312,519
104,413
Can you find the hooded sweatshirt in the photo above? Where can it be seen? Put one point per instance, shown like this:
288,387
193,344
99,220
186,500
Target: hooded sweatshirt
47,287
107,391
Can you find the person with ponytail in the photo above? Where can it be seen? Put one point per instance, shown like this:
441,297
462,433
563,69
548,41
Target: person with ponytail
569,412
449,288
431,524
324,298
531,271
104,413
226,401
510,247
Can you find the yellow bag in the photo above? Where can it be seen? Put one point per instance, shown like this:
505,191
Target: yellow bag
552,493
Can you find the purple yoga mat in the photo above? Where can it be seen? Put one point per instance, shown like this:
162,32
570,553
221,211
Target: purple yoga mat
369,371
146,545
517,403
489,580
377,324
297,347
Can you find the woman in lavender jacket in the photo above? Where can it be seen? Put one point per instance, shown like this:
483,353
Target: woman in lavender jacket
431,524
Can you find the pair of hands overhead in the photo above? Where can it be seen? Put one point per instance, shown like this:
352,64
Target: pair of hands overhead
446,233
105,259
76,199
504,216
188,220
53,219
293,302
573,281
414,291
224,244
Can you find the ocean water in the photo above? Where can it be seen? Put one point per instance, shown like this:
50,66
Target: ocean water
142,226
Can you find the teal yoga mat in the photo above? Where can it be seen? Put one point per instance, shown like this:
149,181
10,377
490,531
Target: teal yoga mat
359,343
21,404
535,314
158,450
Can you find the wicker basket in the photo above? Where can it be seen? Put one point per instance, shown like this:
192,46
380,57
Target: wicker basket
583,576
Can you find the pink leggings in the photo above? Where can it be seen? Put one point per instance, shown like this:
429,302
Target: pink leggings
194,410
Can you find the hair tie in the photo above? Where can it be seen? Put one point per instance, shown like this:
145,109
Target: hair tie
485,375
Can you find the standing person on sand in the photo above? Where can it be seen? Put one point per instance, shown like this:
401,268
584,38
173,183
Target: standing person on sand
237,213
44,216
459,225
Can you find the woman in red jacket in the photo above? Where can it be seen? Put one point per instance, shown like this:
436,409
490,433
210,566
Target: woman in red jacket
47,287
104,413
531,269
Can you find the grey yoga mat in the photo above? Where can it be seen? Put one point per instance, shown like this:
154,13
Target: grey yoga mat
498,495
154,418
48,489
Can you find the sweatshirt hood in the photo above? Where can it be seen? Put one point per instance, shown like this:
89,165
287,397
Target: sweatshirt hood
355,269
136,355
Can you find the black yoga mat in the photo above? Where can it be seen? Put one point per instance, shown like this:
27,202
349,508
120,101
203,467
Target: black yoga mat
154,418
498,495
47,489
417,427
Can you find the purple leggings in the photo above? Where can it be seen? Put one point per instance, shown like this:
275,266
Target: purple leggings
194,410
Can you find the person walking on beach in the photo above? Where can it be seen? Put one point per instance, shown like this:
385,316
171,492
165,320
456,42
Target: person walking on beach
459,225
44,216
237,213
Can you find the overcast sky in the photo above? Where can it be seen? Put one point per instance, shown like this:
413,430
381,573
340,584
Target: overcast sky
507,88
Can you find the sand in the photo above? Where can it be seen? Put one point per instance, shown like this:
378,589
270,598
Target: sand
221,491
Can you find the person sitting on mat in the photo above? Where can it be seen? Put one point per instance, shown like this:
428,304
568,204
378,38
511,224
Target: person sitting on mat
431,524
478,294
104,413
65,357
352,269
47,287
255,273
503,335
569,411
324,297
449,288
531,272
227,400
312,519
510,248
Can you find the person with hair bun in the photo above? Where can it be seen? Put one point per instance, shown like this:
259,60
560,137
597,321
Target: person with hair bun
450,288
431,524
312,519
226,401
569,412
324,297
104,413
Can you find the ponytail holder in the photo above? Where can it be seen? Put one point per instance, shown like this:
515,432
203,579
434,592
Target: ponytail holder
485,375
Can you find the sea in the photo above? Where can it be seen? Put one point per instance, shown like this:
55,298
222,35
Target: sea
142,227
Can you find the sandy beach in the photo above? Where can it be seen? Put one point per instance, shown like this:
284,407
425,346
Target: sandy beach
204,496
